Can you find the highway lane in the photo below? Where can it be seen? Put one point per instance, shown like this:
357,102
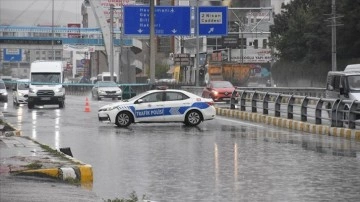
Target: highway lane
220,160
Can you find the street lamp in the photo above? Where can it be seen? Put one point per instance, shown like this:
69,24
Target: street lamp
241,42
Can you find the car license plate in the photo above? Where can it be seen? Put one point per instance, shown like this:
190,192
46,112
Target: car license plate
45,98
226,99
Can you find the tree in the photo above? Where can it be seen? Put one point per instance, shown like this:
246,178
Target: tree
301,36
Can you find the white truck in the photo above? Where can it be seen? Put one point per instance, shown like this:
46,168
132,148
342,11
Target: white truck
106,76
46,78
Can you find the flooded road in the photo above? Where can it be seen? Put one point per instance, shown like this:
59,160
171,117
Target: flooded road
220,160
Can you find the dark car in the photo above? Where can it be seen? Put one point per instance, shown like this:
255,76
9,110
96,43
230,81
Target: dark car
3,91
219,91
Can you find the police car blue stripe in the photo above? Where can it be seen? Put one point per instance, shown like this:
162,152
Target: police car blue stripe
200,105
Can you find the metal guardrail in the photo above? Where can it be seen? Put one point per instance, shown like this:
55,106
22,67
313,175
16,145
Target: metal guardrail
334,112
307,91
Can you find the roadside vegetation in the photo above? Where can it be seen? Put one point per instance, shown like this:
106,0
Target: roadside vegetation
302,39
132,198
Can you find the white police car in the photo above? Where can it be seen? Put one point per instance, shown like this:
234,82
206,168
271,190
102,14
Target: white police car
159,106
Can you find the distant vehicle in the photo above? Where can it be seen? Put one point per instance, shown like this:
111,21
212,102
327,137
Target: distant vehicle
7,80
105,76
46,87
21,92
159,106
218,91
106,89
3,91
343,85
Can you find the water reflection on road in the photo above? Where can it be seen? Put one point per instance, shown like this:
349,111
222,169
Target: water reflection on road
220,160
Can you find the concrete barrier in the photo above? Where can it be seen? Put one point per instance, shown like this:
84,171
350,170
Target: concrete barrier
290,124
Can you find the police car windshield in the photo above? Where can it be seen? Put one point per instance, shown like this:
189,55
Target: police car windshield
354,82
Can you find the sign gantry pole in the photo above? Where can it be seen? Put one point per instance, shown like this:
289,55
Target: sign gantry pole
197,45
152,42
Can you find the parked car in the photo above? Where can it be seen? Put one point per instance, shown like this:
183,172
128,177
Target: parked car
218,91
3,91
168,105
21,92
106,89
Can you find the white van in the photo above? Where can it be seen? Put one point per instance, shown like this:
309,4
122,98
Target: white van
21,91
46,87
343,85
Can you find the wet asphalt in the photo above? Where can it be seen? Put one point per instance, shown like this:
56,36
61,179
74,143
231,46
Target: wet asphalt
220,160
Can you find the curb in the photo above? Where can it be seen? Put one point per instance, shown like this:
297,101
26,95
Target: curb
291,124
81,173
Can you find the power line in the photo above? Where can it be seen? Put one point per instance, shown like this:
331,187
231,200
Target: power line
17,17
42,12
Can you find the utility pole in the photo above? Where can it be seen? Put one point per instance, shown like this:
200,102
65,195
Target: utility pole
152,42
111,54
197,45
333,36
52,30
333,25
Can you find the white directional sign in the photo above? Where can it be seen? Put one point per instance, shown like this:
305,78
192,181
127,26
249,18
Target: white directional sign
213,20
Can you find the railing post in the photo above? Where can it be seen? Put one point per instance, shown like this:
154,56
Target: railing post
304,105
243,101
352,115
340,114
278,105
266,103
318,111
290,107
333,112
254,98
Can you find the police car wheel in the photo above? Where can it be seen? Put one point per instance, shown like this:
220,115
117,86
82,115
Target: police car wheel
193,118
123,119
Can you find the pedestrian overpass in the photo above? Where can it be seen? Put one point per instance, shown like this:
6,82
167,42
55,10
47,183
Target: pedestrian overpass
70,39
35,38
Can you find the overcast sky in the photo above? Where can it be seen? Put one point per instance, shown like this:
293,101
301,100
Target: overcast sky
33,12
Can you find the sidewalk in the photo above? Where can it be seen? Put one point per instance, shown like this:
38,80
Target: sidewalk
50,175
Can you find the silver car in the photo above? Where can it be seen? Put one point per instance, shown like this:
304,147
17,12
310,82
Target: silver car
106,89
21,92
3,91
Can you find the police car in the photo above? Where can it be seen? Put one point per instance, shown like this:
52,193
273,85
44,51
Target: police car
167,105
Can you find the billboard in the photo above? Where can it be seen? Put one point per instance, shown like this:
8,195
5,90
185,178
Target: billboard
74,33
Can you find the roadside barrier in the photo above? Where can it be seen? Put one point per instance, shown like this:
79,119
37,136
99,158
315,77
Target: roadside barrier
317,110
